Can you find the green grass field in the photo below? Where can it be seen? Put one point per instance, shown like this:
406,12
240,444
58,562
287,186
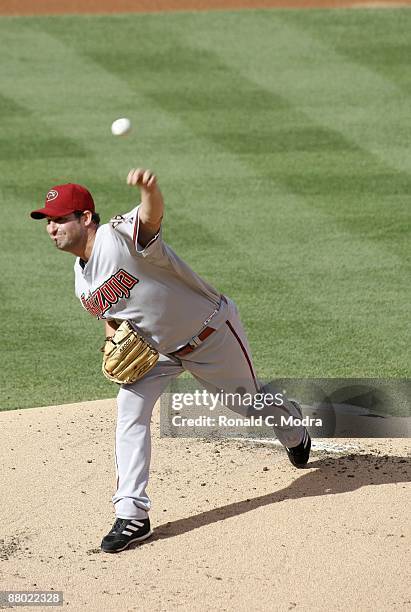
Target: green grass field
282,144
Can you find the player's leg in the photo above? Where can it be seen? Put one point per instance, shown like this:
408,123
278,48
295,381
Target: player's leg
133,452
224,362
135,404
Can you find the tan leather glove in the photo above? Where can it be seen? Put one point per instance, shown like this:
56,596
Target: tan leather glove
127,356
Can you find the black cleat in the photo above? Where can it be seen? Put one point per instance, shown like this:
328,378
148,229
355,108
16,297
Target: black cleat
124,532
299,455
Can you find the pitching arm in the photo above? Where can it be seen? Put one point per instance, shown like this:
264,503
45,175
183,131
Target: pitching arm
152,205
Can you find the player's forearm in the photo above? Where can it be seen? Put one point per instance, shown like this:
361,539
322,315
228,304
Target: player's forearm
110,327
152,204
152,207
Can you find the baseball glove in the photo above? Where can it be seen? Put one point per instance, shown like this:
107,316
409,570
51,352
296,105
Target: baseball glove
127,356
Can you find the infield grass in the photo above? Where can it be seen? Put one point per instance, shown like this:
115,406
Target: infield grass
281,142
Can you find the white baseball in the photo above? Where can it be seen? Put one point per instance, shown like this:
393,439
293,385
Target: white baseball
121,127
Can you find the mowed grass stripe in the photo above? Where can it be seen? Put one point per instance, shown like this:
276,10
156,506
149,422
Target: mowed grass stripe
327,87
386,52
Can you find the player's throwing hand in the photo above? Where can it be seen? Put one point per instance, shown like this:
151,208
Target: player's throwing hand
145,179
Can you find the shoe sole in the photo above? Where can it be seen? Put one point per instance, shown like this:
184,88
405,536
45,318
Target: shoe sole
140,539
299,466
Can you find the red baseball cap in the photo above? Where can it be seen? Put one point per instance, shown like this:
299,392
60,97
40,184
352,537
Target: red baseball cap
63,200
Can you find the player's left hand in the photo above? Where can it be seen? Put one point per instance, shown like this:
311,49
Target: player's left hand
145,179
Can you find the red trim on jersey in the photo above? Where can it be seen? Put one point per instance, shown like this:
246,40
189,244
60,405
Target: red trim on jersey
135,235
135,232
244,353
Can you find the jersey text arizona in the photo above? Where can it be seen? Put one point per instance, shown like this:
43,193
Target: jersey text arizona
109,293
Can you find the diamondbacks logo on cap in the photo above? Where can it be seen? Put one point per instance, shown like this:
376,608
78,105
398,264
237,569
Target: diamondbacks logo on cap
52,195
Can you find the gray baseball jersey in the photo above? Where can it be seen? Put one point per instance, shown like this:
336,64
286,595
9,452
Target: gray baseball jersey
152,287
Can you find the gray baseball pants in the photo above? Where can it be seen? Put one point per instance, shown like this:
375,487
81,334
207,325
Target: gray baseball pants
222,362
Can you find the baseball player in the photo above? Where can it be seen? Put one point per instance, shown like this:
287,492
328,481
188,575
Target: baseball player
125,271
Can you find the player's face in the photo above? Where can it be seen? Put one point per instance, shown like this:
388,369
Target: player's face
67,232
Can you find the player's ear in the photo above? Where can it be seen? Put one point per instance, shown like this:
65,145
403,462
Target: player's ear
88,217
